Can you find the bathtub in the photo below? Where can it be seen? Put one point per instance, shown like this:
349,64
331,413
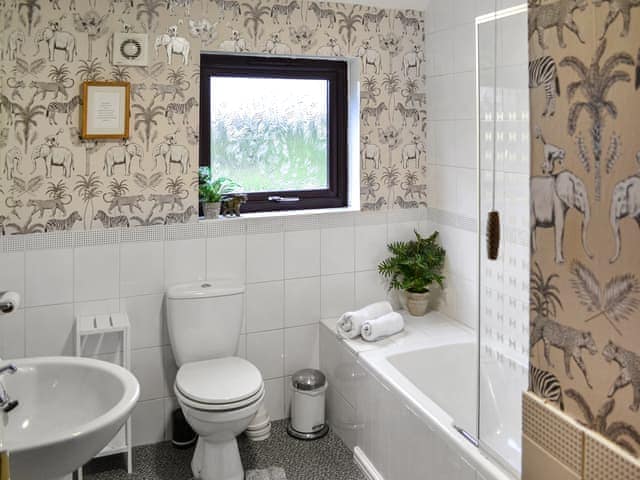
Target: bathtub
402,403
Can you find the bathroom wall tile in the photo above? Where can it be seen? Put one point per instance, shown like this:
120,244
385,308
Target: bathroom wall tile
465,146
12,273
184,261
288,393
96,272
96,307
302,253
241,350
141,268
337,294
147,318
302,301
464,99
445,141
370,288
170,406
401,231
49,330
464,47
440,16
147,365
12,331
441,48
265,257
265,306
467,192
464,12
370,247
170,369
49,277
274,398
265,350
226,257
300,348
442,107
147,420
337,245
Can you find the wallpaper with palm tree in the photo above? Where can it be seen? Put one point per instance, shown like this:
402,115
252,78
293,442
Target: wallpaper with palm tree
595,124
88,176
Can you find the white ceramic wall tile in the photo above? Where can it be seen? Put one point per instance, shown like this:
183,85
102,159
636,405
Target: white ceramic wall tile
96,272
146,315
170,405
370,288
444,144
467,192
302,301
300,348
337,246
265,306
184,261
371,246
49,330
265,258
147,419
338,294
465,144
241,350
464,98
441,48
302,253
147,364
226,257
141,268
12,273
274,398
95,307
12,339
399,232
463,47
265,350
48,277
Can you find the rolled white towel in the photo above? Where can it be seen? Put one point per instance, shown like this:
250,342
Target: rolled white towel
350,323
381,327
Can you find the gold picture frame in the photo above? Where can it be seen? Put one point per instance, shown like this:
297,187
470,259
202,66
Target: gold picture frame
105,110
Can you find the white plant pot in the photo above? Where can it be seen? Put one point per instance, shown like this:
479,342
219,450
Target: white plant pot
211,210
417,303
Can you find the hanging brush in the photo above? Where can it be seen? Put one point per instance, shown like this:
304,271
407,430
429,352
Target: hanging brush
493,217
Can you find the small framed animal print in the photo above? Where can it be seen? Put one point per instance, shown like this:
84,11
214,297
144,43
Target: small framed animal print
105,110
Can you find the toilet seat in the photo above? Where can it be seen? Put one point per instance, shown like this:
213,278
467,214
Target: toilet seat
219,384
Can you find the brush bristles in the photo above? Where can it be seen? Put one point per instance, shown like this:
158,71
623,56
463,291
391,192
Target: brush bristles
493,235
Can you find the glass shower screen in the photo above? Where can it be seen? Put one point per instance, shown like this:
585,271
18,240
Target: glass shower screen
503,164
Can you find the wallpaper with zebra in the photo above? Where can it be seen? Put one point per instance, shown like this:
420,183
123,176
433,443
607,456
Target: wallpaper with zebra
584,74
51,179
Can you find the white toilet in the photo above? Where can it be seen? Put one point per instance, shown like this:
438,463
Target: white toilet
219,393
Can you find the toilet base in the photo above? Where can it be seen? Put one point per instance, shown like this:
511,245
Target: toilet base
217,461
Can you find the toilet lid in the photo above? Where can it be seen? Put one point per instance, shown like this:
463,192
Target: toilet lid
219,381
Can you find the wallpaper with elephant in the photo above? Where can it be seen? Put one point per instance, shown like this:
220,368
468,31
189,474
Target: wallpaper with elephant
584,75
51,179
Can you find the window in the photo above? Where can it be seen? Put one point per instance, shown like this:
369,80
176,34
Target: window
277,127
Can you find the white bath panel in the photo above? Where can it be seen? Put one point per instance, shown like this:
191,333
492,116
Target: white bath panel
365,465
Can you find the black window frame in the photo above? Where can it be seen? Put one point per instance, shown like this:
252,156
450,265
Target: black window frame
336,72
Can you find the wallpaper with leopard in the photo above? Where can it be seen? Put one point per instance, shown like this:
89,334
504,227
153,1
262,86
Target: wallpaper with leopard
51,179
584,74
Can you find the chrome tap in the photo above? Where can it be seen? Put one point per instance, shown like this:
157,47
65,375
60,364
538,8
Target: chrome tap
6,404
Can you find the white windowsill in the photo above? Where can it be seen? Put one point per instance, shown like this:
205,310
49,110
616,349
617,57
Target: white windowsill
286,213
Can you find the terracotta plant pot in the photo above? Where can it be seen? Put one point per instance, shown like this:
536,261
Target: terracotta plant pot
211,210
417,303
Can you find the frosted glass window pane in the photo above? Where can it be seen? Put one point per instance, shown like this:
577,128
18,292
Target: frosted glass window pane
270,134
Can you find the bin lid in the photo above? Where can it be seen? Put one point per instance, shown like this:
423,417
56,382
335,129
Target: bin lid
308,379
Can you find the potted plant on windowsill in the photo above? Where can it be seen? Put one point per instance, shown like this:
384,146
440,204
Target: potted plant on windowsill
413,267
211,192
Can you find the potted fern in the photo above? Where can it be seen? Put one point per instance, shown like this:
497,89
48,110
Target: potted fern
413,267
211,191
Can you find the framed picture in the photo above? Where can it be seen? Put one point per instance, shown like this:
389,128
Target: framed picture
105,112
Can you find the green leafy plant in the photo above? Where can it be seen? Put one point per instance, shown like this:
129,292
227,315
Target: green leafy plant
415,264
212,191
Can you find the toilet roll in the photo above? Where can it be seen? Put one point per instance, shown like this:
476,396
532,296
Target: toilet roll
9,301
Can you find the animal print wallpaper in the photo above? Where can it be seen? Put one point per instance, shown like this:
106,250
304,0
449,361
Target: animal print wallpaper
584,74
51,179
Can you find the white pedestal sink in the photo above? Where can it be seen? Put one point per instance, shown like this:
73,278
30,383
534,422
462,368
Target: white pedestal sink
69,409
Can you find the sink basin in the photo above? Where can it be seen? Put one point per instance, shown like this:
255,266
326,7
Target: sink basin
69,410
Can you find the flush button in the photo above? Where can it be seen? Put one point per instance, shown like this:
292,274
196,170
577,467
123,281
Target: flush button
206,285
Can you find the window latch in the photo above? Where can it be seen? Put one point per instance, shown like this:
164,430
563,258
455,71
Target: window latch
276,198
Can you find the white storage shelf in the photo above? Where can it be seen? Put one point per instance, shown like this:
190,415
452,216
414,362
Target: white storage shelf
92,326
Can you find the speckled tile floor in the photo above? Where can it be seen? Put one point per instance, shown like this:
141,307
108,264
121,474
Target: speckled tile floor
324,459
